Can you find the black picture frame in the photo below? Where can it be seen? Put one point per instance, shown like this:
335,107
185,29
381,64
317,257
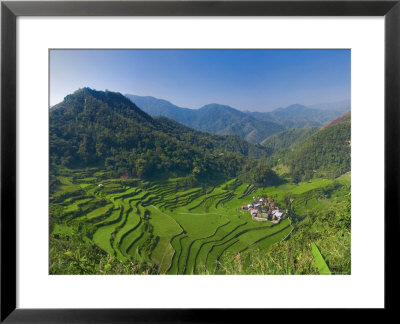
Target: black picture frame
10,10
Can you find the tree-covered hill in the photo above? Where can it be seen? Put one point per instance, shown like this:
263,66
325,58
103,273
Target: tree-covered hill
287,138
337,120
326,152
94,127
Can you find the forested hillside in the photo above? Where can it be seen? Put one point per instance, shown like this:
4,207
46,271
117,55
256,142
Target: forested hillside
327,152
135,194
105,128
200,185
287,138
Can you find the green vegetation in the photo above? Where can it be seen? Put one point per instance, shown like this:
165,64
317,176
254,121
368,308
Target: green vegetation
105,128
156,228
133,194
319,260
329,228
287,138
155,225
326,153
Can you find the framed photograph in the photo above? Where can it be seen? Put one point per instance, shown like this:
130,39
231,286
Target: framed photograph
183,156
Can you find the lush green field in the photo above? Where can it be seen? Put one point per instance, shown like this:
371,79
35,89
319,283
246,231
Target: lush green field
179,230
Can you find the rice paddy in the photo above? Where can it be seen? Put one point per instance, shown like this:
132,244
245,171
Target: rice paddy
182,231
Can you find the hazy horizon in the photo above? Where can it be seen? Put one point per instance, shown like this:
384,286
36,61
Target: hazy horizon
222,104
248,80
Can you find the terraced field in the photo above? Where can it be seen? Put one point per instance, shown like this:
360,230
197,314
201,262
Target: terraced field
182,231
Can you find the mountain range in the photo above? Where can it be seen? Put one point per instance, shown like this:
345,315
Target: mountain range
106,128
299,116
212,118
94,127
251,126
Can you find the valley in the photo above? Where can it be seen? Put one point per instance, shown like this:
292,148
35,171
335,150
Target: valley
135,194
182,231
178,230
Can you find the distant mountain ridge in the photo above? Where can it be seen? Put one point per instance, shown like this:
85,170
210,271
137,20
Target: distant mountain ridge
252,126
160,107
299,116
343,106
212,118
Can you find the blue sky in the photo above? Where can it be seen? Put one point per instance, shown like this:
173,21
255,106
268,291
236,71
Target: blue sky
255,80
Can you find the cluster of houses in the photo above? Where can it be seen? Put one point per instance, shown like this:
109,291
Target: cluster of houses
264,208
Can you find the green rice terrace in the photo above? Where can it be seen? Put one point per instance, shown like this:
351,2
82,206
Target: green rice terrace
179,230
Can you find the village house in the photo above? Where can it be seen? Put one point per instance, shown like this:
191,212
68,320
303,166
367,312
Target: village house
276,214
263,209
